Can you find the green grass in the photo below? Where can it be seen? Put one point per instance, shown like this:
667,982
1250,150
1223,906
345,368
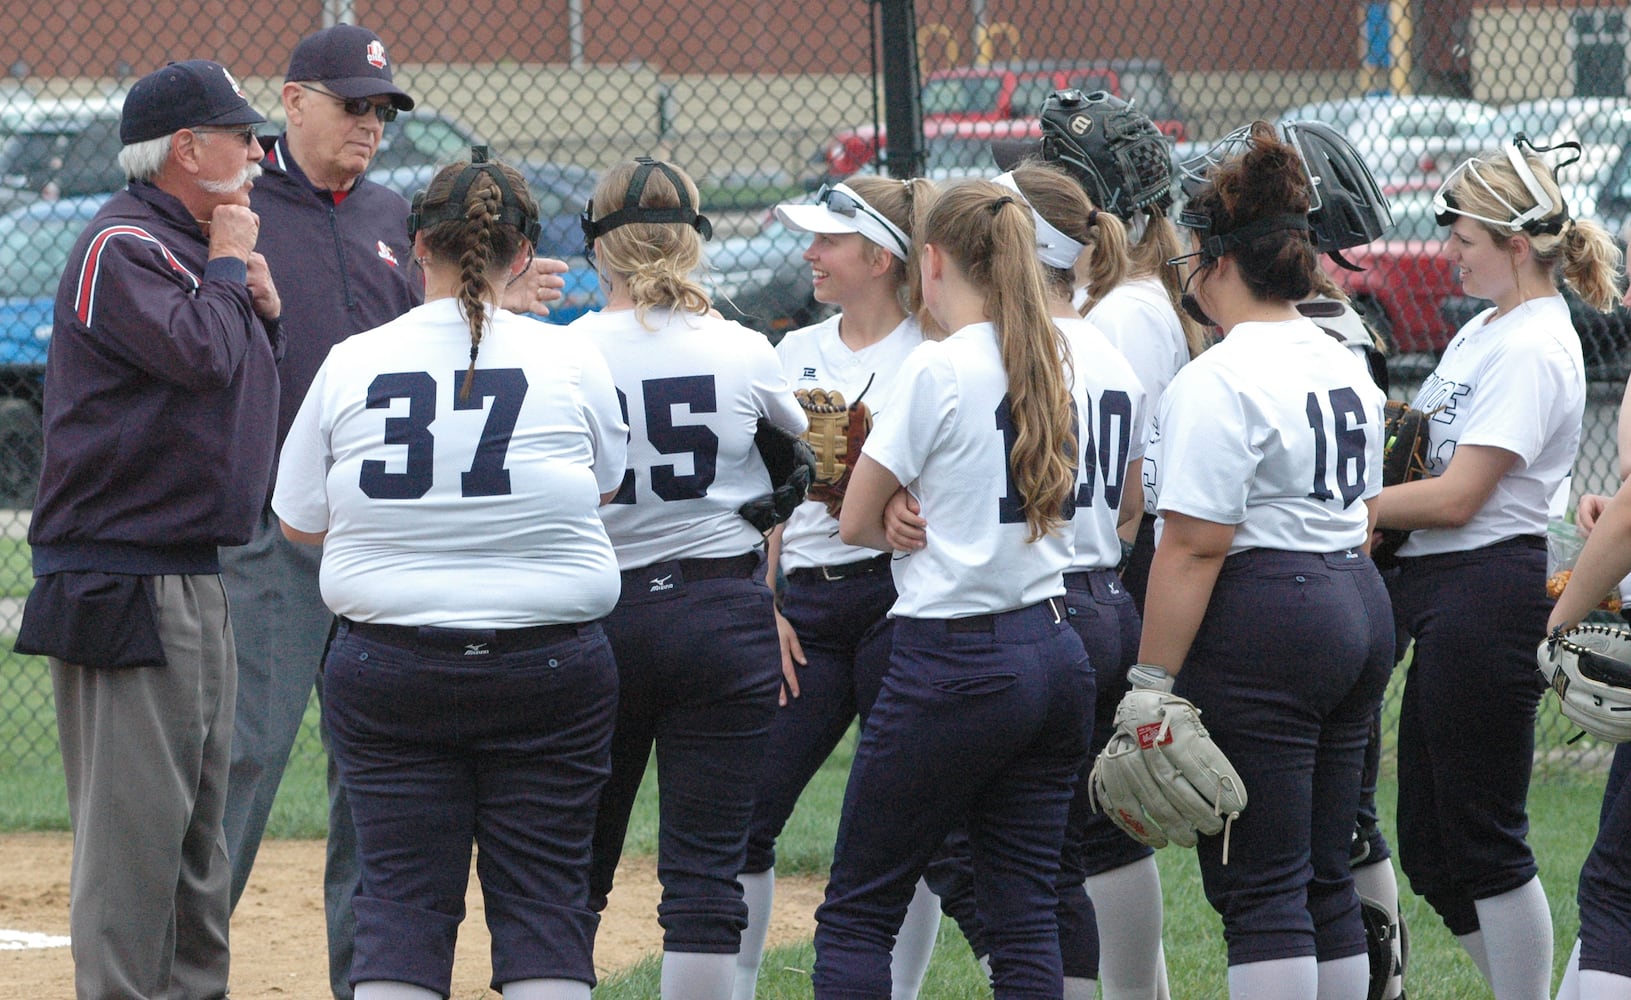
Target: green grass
16,568
1563,809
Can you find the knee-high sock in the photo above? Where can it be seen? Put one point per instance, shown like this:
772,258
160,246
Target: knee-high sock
759,892
1569,988
1517,929
386,989
690,975
1604,985
1276,979
1473,944
914,945
1081,989
545,989
1345,978
1127,904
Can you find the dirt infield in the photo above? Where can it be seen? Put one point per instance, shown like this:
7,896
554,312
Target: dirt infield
278,949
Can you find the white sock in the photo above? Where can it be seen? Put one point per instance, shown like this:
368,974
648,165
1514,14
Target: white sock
1604,985
985,967
1081,989
1473,944
914,945
1378,883
759,892
1127,907
1517,929
545,989
1161,990
1569,988
695,975
1345,978
1276,979
386,989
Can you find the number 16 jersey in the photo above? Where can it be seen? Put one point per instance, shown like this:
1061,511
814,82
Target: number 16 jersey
1276,430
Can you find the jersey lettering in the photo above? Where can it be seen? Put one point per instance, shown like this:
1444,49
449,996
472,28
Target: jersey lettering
1105,449
1346,427
1011,506
660,395
487,476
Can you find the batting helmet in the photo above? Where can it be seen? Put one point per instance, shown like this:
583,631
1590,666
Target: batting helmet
1114,150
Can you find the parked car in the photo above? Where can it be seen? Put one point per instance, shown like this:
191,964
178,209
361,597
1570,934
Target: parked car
951,148
763,281
1002,91
1406,139
61,149
34,245
1404,282
1605,338
561,190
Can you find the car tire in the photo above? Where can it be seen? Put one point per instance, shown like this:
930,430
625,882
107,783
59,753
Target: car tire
21,445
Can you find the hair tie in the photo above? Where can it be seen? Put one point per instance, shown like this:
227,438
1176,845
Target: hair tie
1092,216
996,206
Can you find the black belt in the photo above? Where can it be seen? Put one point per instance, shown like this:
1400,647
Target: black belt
988,623
691,570
465,641
842,571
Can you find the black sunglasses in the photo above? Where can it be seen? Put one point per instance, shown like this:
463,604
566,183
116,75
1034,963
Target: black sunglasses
845,204
247,136
356,107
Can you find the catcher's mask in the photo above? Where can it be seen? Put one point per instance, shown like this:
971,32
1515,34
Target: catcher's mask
632,211
512,211
1112,149
1346,208
1545,216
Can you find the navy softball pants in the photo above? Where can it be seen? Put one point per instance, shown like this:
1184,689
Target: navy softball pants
444,738
844,628
1101,611
1467,722
1605,879
984,720
699,665
1289,664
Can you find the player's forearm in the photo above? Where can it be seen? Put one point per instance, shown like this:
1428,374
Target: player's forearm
1182,575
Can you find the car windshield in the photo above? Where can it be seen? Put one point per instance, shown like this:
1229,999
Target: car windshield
961,94
950,157
34,250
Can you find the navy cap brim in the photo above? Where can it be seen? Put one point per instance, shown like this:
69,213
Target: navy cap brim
370,86
245,115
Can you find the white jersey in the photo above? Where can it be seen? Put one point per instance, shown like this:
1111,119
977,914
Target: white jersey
1110,432
1276,430
946,437
815,358
462,513
694,388
1516,383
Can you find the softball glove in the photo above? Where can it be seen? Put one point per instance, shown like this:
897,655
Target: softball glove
1590,669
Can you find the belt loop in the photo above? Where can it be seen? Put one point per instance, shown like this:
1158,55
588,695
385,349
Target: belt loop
1053,605
826,574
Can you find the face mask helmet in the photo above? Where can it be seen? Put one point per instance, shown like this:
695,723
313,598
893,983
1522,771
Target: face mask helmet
1546,216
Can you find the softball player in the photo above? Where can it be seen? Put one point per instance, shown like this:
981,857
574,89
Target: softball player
694,631
985,712
1264,453
470,691
835,599
1111,406
1599,968
1507,397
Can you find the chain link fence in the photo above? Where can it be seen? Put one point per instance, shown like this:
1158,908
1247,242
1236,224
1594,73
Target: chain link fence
763,102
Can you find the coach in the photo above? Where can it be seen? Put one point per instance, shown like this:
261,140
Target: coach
160,392
342,241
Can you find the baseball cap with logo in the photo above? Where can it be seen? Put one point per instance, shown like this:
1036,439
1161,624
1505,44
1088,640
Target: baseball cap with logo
183,95
348,60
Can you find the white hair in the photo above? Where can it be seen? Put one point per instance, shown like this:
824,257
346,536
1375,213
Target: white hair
142,161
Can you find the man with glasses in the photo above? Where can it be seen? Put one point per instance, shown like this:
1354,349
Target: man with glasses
342,241
161,388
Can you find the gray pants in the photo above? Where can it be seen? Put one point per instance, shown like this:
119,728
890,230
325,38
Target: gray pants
281,625
145,752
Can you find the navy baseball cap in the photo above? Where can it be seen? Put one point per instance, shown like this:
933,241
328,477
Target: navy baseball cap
183,95
348,60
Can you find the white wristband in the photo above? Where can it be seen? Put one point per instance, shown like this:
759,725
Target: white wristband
1146,677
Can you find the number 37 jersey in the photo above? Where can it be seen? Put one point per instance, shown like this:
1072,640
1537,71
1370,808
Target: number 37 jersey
1276,430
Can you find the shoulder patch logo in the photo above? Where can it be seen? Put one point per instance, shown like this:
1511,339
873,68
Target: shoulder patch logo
386,253
376,54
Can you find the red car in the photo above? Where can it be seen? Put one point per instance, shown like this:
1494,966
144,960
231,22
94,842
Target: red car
1003,91
1406,279
952,148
